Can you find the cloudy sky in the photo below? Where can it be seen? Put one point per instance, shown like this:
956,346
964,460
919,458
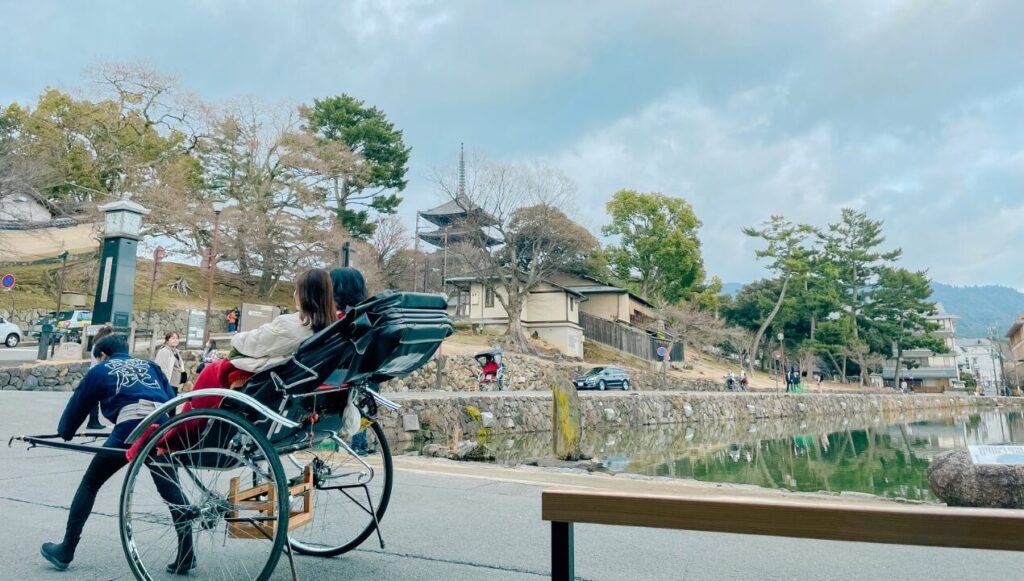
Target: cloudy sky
912,110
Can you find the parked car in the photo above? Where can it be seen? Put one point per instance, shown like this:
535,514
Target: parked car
10,333
71,323
603,378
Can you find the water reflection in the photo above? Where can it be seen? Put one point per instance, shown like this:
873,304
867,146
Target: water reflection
884,456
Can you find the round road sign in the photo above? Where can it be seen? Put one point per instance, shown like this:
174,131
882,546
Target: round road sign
7,281
662,351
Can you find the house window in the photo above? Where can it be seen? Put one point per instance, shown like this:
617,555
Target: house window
489,297
572,304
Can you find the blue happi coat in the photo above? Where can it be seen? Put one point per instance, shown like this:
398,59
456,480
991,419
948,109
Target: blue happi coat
119,381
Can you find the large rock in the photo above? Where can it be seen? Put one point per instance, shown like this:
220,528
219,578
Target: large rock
959,482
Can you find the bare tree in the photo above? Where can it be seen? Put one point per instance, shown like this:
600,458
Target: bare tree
390,246
275,224
521,206
688,324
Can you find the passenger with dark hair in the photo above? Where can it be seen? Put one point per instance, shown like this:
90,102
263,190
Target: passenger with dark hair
349,288
126,389
349,291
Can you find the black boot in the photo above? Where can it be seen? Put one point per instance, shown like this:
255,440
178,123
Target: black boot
59,555
186,559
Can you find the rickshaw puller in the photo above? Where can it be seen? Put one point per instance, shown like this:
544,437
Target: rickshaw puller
126,390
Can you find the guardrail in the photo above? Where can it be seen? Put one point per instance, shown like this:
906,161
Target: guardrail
969,528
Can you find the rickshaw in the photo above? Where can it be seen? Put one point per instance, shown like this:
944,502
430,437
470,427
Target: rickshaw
246,507
492,368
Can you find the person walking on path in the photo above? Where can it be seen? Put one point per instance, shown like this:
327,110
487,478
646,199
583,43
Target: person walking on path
232,320
170,361
94,413
126,389
820,378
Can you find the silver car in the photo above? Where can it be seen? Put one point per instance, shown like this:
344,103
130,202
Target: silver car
603,378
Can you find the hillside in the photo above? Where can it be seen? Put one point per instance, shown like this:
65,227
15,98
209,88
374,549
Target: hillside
36,283
980,307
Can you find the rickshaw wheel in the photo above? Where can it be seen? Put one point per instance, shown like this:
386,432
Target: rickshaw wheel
341,510
229,476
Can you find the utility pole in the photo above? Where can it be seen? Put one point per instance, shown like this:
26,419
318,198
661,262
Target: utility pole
158,257
217,208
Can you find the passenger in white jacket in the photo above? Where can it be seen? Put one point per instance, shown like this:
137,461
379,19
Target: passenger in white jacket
271,344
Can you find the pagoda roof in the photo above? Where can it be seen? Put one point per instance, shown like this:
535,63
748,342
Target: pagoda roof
457,235
458,209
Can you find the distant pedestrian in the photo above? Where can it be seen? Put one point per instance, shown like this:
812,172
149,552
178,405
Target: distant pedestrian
232,320
820,378
169,360
743,380
903,386
209,356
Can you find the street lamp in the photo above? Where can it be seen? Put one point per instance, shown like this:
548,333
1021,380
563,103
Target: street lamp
782,356
63,256
218,207
115,291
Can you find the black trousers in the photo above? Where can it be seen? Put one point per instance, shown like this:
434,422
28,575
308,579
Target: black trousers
100,470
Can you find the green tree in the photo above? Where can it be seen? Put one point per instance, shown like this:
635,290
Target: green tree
658,251
897,309
382,152
853,247
788,257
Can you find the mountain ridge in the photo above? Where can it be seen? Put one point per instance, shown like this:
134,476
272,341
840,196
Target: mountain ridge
983,309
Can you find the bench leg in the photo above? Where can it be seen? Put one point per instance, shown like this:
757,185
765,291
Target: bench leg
562,568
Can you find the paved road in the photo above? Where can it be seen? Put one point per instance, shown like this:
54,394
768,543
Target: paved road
18,354
448,527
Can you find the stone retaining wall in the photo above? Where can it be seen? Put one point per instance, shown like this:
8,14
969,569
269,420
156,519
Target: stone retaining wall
62,376
163,320
461,372
441,417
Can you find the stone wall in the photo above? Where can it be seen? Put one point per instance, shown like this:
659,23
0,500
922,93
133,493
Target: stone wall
62,376
440,417
461,372
163,320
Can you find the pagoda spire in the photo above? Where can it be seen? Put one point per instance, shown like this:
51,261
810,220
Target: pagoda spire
462,170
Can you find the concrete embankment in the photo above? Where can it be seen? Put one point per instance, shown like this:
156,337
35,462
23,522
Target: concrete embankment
441,415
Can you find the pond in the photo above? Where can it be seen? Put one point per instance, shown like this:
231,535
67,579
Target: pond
886,457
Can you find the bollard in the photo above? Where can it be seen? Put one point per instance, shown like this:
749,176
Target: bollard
44,342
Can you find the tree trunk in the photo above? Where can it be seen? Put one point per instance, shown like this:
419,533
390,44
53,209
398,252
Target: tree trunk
768,321
515,334
814,321
843,378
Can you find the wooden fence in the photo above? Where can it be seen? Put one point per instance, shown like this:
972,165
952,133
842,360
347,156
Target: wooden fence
625,338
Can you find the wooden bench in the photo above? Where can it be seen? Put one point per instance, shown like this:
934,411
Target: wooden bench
969,528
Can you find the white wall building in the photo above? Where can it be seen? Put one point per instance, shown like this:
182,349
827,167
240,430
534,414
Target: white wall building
980,358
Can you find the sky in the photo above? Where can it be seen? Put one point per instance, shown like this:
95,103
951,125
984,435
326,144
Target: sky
911,110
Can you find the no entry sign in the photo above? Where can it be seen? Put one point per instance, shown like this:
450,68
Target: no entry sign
7,281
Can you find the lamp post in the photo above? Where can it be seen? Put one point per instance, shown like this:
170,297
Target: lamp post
782,358
115,290
218,207
60,286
